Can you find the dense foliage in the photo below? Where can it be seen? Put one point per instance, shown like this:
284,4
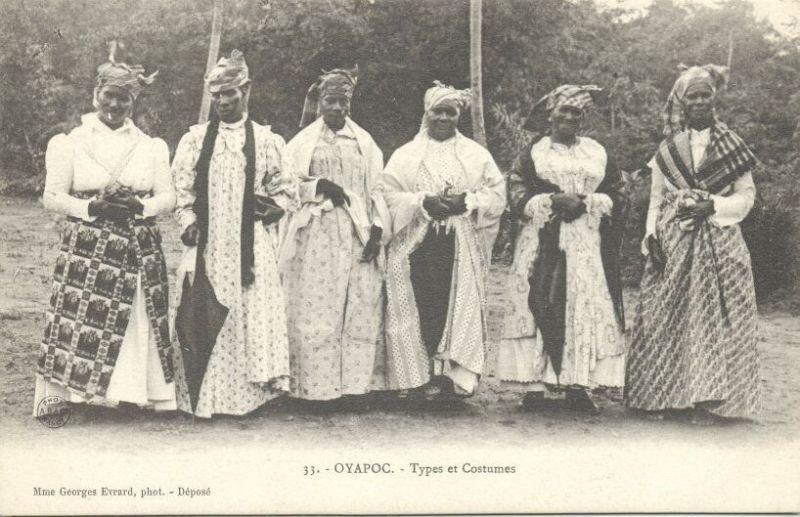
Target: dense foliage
50,49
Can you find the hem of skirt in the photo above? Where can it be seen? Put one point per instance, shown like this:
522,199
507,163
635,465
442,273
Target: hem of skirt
298,396
694,405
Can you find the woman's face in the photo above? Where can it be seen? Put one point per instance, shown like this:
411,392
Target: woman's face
113,105
334,108
699,107
229,104
566,121
442,120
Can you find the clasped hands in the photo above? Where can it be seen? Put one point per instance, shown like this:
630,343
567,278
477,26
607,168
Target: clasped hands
567,207
442,206
116,202
690,212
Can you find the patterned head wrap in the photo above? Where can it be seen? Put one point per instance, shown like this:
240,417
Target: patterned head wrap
709,77
130,78
340,81
580,97
229,73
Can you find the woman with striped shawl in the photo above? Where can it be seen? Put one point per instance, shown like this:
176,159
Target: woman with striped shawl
694,338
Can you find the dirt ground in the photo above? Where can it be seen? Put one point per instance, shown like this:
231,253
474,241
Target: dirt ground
28,237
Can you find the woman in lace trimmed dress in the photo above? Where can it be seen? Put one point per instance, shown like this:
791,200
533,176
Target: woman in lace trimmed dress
107,339
694,338
564,321
445,195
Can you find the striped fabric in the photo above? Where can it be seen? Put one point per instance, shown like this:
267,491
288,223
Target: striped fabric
728,159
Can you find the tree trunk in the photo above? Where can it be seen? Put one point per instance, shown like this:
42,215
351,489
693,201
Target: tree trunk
478,129
213,52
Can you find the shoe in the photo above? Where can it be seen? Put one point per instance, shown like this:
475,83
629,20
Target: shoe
580,400
533,401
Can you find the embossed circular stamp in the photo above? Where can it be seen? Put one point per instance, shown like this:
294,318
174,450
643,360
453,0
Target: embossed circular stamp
53,412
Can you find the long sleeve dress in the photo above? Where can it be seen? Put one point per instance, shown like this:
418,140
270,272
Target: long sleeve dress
593,352
249,364
694,336
107,339
437,271
335,302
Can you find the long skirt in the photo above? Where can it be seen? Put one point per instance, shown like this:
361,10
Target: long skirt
694,336
107,339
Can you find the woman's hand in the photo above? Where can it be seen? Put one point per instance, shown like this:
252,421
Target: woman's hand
109,210
656,253
267,211
190,235
373,246
436,207
456,203
697,211
332,191
567,206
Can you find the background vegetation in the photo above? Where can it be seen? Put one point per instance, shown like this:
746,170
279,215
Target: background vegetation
50,50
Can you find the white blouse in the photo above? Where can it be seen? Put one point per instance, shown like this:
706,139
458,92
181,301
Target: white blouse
93,155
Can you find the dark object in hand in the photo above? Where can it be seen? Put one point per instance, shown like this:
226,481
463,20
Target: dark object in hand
108,210
697,211
436,207
570,215
332,191
656,254
267,211
373,246
190,235
567,205
457,203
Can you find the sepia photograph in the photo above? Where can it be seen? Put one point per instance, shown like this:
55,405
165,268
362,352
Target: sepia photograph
380,257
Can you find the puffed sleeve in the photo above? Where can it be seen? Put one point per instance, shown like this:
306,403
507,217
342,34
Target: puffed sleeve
163,199
280,183
488,200
734,207
58,182
183,175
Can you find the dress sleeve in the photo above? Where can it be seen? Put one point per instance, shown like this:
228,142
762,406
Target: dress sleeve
58,182
163,199
280,182
609,198
183,174
488,201
734,207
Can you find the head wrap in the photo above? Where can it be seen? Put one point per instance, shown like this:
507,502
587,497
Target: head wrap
580,97
440,93
339,81
711,77
229,73
130,78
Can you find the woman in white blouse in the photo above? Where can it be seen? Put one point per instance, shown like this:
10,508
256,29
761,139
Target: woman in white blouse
564,318
694,340
106,339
